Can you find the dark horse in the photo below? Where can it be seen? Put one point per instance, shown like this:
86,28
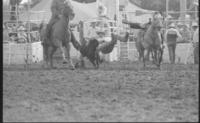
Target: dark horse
149,40
60,36
153,41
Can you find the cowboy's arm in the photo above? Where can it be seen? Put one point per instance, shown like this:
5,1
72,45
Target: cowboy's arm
178,34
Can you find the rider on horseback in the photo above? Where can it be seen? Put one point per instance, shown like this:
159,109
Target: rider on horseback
56,10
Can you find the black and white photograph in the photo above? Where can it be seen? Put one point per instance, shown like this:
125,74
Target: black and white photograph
100,60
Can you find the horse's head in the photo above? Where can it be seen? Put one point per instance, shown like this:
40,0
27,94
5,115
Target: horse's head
158,22
68,11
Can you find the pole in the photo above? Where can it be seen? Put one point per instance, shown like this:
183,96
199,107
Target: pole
117,24
27,44
183,8
117,12
167,8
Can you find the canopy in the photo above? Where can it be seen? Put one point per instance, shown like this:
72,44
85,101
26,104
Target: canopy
42,11
141,18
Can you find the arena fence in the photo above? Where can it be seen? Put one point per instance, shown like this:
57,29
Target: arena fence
21,46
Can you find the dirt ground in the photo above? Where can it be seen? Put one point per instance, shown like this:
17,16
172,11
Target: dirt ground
116,92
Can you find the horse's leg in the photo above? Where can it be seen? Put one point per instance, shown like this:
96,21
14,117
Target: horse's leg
153,56
95,62
52,50
67,48
46,56
63,54
145,57
97,59
141,54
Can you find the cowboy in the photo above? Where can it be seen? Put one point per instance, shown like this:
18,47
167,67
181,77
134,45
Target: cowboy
186,33
22,36
171,36
194,27
92,31
57,7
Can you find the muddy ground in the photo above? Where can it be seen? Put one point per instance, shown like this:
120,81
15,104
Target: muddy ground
116,92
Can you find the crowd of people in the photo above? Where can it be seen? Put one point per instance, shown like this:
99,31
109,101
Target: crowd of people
175,32
18,33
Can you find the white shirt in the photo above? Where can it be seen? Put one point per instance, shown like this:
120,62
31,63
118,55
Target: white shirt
196,36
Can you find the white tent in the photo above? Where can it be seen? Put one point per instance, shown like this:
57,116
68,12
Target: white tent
42,11
143,18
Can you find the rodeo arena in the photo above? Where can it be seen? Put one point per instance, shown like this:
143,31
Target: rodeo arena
100,60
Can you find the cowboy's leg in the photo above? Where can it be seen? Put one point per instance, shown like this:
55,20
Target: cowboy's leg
196,54
174,53
170,53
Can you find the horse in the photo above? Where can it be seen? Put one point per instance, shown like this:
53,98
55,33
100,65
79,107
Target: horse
60,36
153,42
138,44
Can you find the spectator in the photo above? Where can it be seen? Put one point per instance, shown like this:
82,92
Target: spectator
186,33
22,36
179,26
196,46
194,27
171,36
92,31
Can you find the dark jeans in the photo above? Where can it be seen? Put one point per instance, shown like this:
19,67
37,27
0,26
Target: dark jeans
196,53
172,54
